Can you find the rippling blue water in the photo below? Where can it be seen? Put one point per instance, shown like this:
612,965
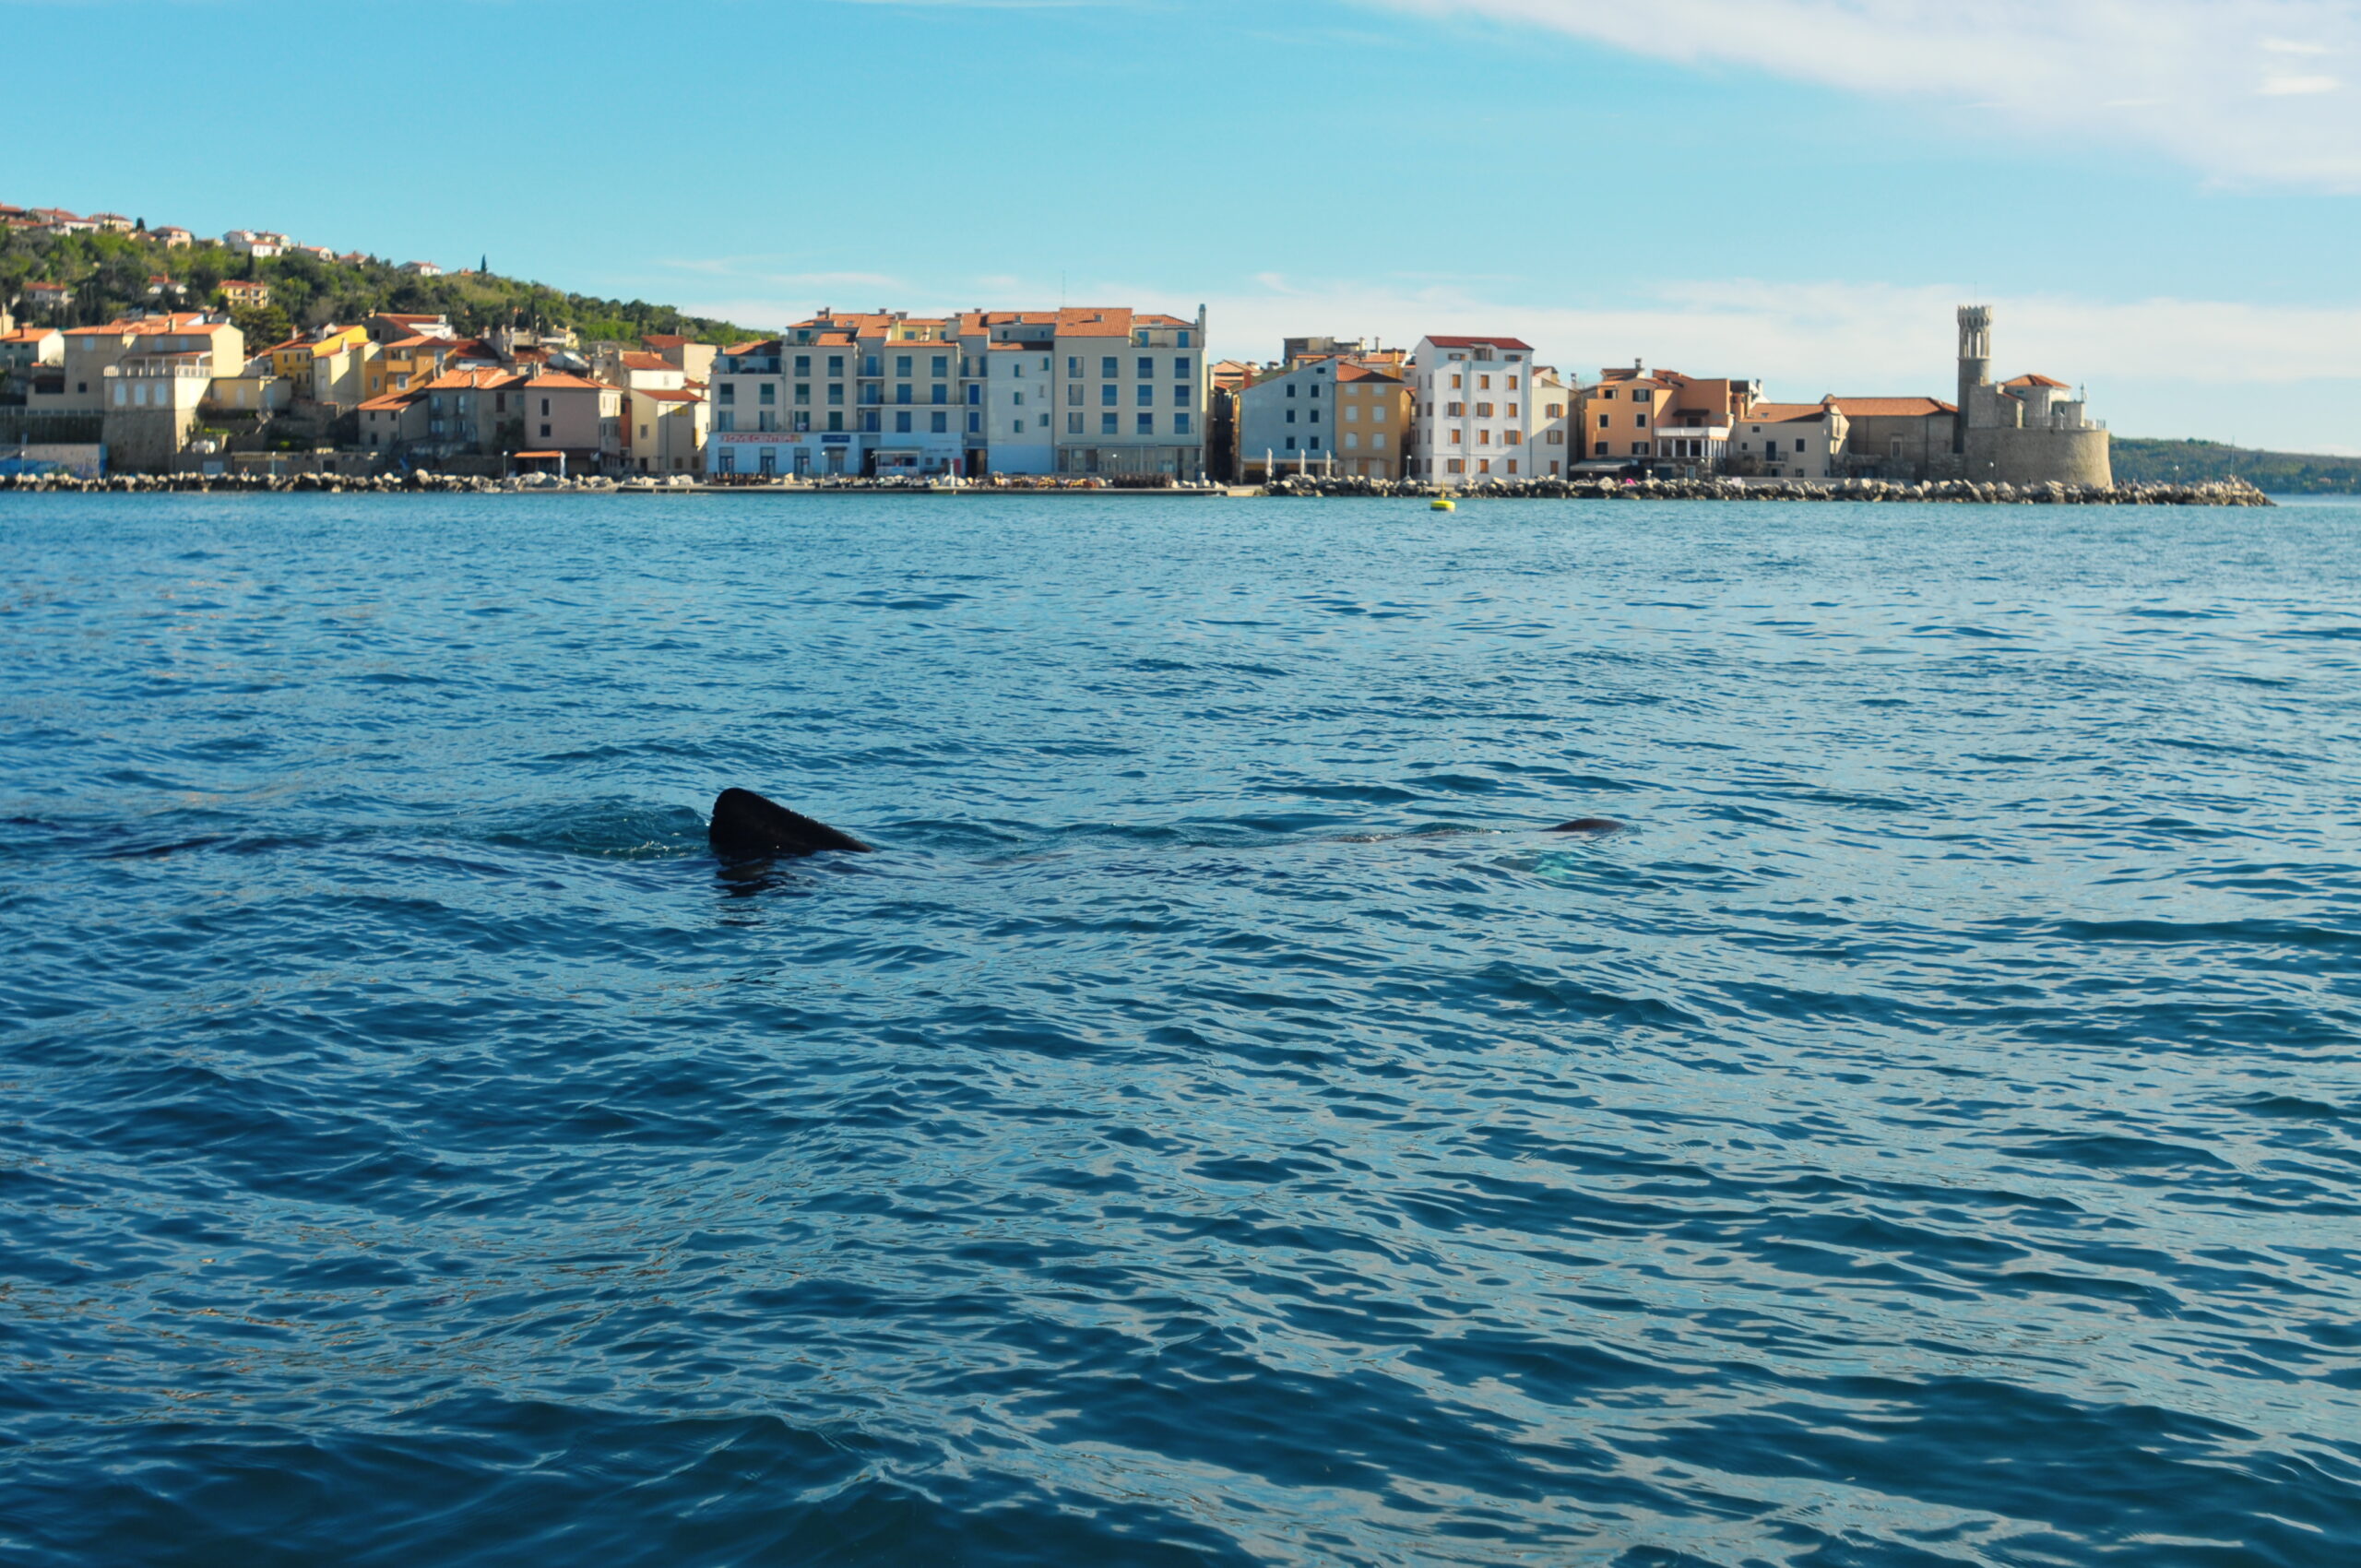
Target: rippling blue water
1220,1129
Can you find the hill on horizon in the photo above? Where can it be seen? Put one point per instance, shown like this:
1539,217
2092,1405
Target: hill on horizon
110,276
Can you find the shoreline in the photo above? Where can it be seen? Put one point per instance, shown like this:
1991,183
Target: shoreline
2214,493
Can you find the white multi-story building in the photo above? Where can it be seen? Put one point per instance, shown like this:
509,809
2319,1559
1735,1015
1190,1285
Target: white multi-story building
256,242
1472,409
1106,391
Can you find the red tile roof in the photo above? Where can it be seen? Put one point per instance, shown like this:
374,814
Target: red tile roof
1441,342
2035,381
1892,408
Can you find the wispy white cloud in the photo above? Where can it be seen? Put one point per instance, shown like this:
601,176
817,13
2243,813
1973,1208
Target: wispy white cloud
2203,82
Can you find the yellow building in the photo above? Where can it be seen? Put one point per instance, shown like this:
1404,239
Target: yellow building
405,363
1372,421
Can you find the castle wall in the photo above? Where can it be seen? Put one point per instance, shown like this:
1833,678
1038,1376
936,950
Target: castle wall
2038,457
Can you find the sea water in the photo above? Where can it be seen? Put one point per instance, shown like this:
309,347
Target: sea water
1220,1126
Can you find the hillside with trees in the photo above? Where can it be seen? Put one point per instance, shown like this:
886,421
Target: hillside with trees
111,273
2277,473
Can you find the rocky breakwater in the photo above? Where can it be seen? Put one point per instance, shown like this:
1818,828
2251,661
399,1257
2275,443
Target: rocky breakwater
417,482
2223,492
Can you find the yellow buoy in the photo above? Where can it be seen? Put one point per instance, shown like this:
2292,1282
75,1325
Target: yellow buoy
1443,504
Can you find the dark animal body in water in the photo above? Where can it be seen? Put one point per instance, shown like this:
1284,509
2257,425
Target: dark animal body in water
748,827
1589,824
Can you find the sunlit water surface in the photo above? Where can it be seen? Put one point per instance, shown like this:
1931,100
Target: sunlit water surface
1219,1128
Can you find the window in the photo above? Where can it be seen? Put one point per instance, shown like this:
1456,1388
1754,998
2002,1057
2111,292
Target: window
1290,416
1315,416
1073,424
1512,438
1456,465
1107,396
942,394
1147,368
1557,438
545,430
1180,367
1146,425
1352,413
1377,413
975,392
1313,443
1639,448
873,419
803,393
1110,425
802,365
1483,438
836,394
1179,424
770,392
1292,388
901,424
902,392
836,364
1108,369
1352,441
1074,367
766,420
1454,410
802,420
545,410
1145,395
1456,438
1377,440
1454,382
1180,398
1555,411
1639,420
642,433
901,364
1483,384
975,423
1512,465
1799,443
1316,389
869,366
1511,410
1607,394
1291,443
1016,399
1483,411
728,393
835,421
942,366
939,424
724,421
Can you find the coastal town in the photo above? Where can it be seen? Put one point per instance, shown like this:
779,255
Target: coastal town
1090,396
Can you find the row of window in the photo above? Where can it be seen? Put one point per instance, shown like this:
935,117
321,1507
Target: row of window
1352,442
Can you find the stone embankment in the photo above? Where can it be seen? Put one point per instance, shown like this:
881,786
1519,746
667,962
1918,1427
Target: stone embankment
414,483
2226,493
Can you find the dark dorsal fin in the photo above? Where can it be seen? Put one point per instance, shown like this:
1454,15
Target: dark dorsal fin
746,826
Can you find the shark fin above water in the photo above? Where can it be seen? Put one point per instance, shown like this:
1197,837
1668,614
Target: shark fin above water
747,827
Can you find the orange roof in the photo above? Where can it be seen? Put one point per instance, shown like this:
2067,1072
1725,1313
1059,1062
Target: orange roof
151,325
2035,381
647,361
1782,413
1462,342
668,397
392,400
473,380
1892,408
663,339
1366,372
561,380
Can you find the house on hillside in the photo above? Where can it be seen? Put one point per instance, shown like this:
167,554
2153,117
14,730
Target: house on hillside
172,238
421,269
245,294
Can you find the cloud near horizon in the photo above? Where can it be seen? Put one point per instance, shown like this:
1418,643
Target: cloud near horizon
2247,91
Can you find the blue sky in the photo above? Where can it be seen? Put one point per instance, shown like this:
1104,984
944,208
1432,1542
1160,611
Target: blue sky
2160,199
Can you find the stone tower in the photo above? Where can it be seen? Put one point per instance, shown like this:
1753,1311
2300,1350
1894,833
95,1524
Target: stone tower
1975,364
